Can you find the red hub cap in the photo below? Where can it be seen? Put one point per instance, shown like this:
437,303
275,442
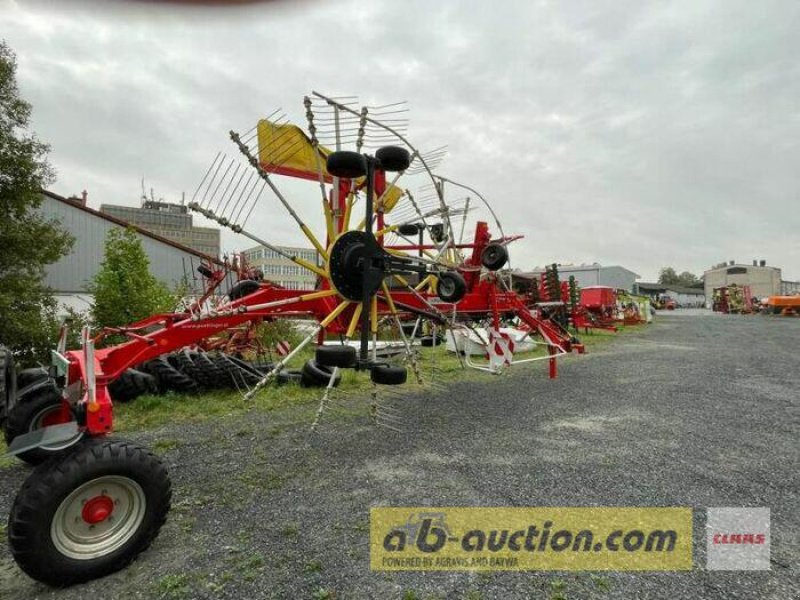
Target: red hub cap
97,509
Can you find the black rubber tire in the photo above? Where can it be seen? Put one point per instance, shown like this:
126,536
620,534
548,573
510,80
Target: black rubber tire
336,356
450,286
27,412
393,159
346,164
243,288
410,229
28,376
207,373
494,257
289,376
314,375
36,504
388,375
132,384
169,378
237,372
186,361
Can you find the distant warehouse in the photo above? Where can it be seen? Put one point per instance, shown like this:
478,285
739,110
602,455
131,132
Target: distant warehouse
763,280
595,274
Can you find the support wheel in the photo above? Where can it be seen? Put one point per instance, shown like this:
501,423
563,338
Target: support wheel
494,257
336,356
88,513
39,408
451,286
388,375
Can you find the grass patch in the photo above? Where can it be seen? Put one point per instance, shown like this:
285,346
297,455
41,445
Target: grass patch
172,587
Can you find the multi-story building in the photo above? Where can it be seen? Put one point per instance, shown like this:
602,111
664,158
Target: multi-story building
171,221
281,270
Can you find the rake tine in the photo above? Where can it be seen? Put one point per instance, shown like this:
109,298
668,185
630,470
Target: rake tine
213,178
252,206
241,194
227,187
233,192
247,200
221,181
197,191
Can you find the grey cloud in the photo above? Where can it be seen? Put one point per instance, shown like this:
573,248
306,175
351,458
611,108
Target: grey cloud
645,134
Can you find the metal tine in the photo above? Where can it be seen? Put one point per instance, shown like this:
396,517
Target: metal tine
222,212
227,187
213,179
222,181
247,199
250,175
208,172
253,205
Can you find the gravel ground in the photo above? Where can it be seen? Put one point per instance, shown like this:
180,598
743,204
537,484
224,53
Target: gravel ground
695,411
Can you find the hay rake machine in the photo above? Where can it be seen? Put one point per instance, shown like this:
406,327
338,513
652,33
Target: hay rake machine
98,501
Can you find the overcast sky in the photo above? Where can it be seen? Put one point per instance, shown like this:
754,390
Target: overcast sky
636,133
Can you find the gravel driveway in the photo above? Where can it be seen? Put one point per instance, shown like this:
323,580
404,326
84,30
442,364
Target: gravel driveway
695,410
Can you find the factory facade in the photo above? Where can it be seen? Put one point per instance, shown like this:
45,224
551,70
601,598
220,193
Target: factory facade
763,280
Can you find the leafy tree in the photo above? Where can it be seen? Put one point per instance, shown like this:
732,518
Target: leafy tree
124,289
668,276
28,241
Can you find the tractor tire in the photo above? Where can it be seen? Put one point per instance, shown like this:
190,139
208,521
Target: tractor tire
494,257
237,372
208,374
27,377
336,356
89,512
169,378
132,384
393,159
243,288
315,375
450,286
185,361
346,164
39,408
388,375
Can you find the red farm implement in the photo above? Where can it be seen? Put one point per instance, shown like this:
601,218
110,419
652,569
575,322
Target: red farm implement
99,501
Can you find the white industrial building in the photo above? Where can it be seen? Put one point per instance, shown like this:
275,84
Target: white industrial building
170,261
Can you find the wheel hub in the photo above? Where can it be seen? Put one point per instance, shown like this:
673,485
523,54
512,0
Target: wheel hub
347,262
97,509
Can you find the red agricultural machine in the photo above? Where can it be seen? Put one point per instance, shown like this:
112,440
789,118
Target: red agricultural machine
98,501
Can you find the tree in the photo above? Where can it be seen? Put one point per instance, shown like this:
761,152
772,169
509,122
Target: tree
124,289
28,241
668,276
